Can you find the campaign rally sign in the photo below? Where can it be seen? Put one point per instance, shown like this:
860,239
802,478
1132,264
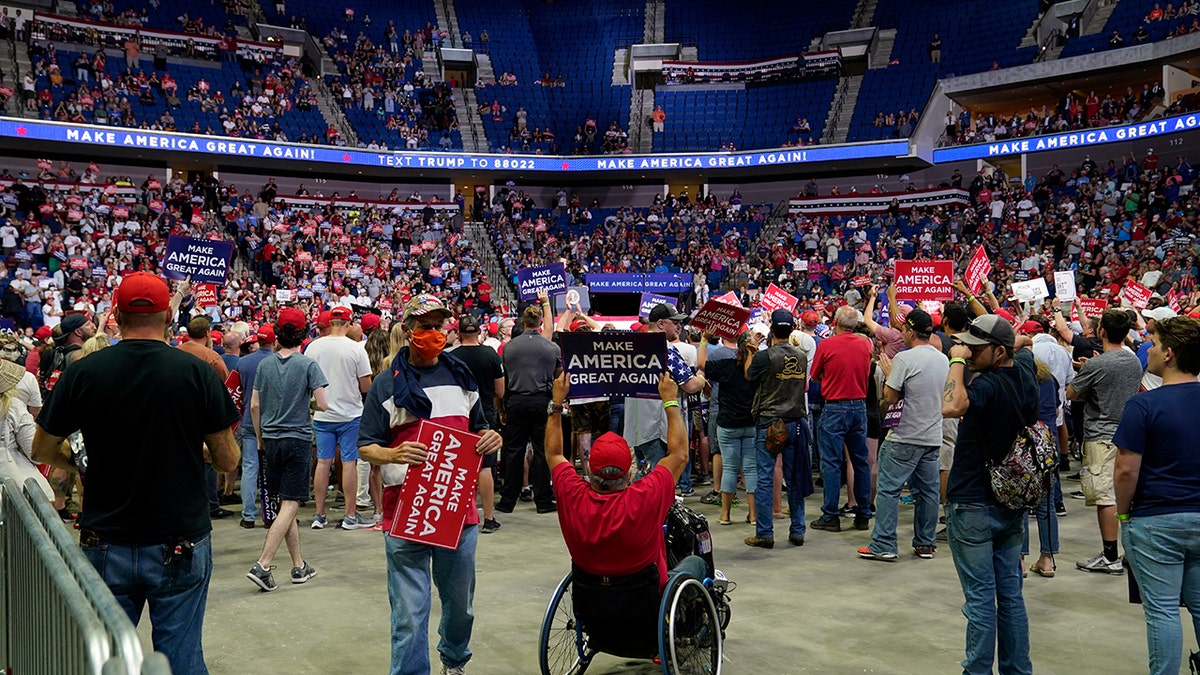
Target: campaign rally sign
436,496
776,298
204,260
924,279
552,279
1030,291
1136,294
206,295
1064,286
720,319
729,298
977,270
575,296
649,300
614,364
283,294
233,384
1093,306
80,264
859,281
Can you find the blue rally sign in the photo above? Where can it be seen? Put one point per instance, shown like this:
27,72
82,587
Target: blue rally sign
614,364
551,278
204,260
649,300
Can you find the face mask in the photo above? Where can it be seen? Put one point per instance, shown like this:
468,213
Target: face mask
428,343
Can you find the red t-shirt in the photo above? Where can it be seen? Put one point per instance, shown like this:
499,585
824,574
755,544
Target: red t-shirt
618,533
842,365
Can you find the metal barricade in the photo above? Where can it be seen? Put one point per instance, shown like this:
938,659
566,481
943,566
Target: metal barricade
49,625
125,641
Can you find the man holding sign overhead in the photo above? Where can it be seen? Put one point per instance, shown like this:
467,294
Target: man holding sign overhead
424,384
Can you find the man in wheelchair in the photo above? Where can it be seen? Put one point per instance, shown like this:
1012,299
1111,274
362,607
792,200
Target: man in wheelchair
614,528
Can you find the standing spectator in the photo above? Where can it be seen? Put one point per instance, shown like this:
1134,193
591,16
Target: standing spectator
842,365
424,386
531,362
985,538
935,49
735,424
779,374
279,407
487,367
132,49
247,369
199,345
659,118
1104,384
146,412
913,388
346,366
1158,489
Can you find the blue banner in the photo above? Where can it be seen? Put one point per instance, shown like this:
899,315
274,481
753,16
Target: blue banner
180,143
639,283
614,364
1071,139
531,280
203,260
649,300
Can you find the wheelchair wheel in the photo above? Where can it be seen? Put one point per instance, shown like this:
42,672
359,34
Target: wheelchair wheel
562,646
690,643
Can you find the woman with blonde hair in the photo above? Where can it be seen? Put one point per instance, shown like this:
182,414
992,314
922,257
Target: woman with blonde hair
16,434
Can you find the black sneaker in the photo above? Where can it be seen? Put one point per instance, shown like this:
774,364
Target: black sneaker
1060,509
303,573
828,524
1074,477
924,552
1078,494
262,578
795,541
247,524
690,492
231,498
504,508
713,497
552,507
862,522
220,513
526,494
489,526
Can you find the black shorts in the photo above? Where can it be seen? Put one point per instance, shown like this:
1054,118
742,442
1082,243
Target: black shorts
489,461
286,463
591,418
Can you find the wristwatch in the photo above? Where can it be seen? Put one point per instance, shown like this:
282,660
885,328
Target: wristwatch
554,408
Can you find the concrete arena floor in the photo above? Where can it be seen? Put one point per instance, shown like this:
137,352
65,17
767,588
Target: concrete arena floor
815,609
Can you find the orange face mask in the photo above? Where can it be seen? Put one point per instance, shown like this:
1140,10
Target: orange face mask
428,343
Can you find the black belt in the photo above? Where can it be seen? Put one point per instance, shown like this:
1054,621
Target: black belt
845,400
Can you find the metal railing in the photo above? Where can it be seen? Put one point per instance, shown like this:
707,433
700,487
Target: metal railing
60,617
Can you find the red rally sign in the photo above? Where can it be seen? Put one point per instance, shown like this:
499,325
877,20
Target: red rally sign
720,319
924,280
1137,294
978,270
776,298
206,295
436,495
1093,306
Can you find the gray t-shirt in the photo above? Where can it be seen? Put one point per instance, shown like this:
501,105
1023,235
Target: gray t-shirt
919,374
1106,381
284,386
529,363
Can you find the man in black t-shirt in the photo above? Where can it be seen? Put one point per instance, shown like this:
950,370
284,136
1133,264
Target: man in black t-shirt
984,536
487,367
146,411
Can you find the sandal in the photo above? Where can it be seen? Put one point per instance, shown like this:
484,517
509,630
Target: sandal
748,520
724,521
1042,572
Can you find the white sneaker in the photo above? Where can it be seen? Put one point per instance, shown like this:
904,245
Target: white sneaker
356,522
318,522
457,670
1101,565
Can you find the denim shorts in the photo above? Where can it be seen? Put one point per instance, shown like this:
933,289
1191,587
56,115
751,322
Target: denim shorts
334,435
286,467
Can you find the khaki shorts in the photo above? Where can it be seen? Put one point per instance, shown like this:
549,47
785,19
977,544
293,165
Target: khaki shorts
1096,476
949,438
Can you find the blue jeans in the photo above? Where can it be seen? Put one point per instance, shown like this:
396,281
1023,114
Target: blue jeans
408,570
844,422
797,473
1047,521
1165,554
177,595
738,450
918,466
249,474
986,543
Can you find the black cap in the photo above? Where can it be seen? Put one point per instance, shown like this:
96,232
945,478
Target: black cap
468,324
920,321
782,317
664,311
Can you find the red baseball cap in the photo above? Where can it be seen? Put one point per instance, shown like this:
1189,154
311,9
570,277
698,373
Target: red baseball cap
369,323
323,319
1030,328
143,293
810,318
42,334
493,329
291,317
266,333
578,325
610,456
215,335
341,313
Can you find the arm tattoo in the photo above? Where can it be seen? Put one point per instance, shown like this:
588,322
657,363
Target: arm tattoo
949,391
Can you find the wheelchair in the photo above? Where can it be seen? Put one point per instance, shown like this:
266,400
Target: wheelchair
626,616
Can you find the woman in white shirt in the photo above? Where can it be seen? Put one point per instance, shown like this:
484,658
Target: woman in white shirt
16,431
